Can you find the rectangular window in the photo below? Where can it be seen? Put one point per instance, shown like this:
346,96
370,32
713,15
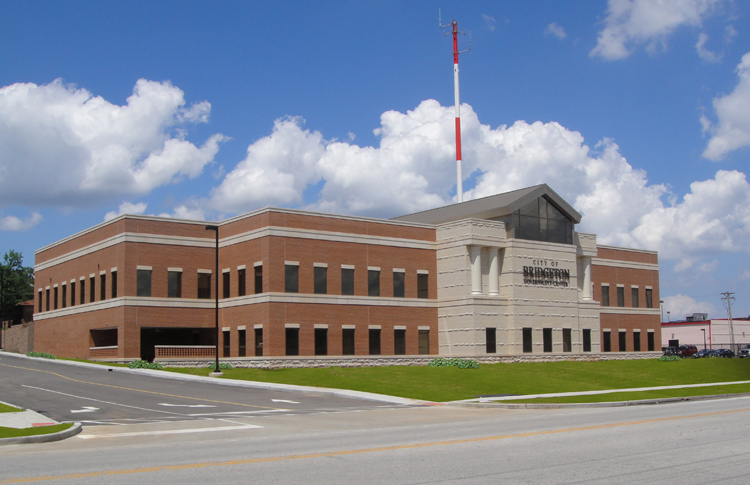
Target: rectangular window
321,341
347,341
40,302
258,279
259,342
634,296
204,285
567,340
374,337
620,296
292,341
424,342
174,284
622,337
320,275
491,340
47,291
144,282
373,282
114,284
347,281
605,295
398,284
241,282
422,285
651,341
242,340
527,343
92,289
291,279
83,291
649,298
225,284
65,296
72,293
227,342
587,340
606,342
636,341
103,287
547,337
399,342
54,301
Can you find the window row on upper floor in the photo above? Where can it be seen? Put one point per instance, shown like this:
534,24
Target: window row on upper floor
635,300
76,292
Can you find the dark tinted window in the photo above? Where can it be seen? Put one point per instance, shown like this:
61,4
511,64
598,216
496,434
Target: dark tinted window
321,280
422,285
373,282
540,220
347,281
291,279
204,285
527,343
174,284
225,277
241,282
347,341
547,335
292,341
321,341
587,340
374,337
144,282
398,284
259,279
399,342
491,340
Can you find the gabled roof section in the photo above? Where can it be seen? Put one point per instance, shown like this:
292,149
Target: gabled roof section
492,207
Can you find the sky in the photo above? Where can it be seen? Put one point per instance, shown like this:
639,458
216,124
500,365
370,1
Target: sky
637,112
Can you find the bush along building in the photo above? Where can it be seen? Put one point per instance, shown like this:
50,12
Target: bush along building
504,277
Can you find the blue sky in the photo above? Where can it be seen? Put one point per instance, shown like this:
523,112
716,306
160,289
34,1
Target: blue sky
636,112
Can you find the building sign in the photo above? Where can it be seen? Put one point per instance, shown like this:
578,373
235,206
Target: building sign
545,273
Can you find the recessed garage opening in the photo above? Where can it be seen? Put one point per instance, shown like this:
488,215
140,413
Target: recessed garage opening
178,337
104,337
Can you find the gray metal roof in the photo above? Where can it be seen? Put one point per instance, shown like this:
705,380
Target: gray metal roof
491,207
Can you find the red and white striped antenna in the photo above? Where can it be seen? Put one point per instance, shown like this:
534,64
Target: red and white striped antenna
456,52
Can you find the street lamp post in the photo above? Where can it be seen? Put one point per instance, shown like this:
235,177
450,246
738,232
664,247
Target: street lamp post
216,372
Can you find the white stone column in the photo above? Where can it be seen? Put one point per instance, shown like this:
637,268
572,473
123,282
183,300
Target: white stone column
494,277
587,289
475,253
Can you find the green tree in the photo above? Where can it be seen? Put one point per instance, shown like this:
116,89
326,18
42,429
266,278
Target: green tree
16,283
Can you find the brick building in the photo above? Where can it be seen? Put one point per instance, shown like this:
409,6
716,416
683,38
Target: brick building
502,275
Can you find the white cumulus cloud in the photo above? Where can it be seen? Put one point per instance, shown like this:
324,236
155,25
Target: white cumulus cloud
703,53
630,23
555,30
126,208
81,148
679,306
13,223
733,113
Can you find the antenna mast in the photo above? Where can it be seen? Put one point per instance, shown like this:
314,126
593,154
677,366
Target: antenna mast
456,52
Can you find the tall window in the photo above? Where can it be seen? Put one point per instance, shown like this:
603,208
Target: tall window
651,341
227,343
114,284
321,341
424,342
636,341
398,284
649,298
225,284
373,282
622,340
620,296
422,285
144,282
547,336
491,340
258,342
72,293
634,296
374,337
241,282
92,289
103,286
320,275
399,342
258,279
347,341
54,291
567,340
527,342
605,295
47,296
587,340
64,296
242,340
40,301
606,341
83,291
292,341
347,281
174,284
540,220
291,278
204,285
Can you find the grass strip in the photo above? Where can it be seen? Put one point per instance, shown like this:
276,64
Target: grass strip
16,433
4,408
443,384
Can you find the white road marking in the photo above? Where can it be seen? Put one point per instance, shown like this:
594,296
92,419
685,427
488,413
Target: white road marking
174,431
98,400
238,412
284,400
86,409
186,405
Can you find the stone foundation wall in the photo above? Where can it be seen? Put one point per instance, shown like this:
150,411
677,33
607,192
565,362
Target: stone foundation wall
19,338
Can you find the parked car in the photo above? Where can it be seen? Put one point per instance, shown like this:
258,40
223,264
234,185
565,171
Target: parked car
744,353
687,350
703,353
724,353
670,351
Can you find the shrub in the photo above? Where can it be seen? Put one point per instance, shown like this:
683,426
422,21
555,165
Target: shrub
455,362
222,366
43,355
669,358
144,364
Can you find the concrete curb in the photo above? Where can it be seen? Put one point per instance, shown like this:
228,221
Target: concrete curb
643,402
43,438
232,382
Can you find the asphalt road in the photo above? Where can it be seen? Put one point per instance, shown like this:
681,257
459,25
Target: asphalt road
94,395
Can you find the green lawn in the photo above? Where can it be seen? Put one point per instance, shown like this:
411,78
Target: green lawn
8,409
450,384
15,433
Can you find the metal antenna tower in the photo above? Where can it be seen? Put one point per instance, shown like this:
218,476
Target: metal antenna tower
729,298
456,52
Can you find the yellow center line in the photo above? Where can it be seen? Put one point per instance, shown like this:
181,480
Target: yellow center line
143,391
357,451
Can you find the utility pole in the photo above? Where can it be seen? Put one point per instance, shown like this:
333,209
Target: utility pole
729,298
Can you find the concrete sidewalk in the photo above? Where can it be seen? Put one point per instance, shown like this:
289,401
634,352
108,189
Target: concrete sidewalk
24,419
